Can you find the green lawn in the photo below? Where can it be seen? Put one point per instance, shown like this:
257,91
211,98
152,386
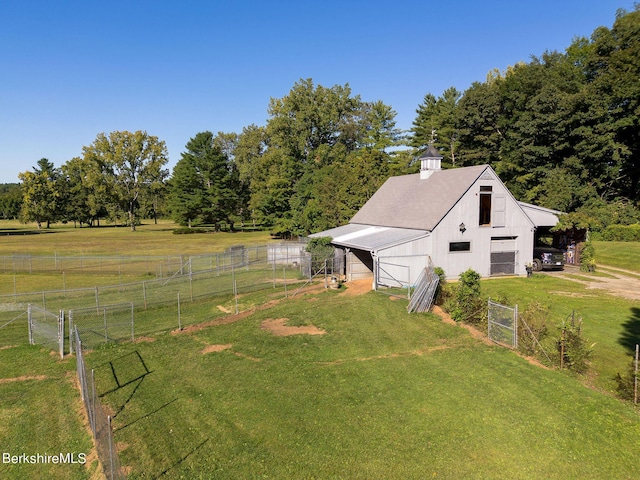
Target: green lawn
624,255
382,394
40,413
611,323
148,239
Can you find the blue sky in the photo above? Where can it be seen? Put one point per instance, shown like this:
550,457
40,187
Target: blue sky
72,69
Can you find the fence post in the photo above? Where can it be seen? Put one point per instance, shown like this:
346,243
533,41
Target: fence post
97,298
635,379
284,274
179,319
110,446
132,324
144,294
235,294
29,320
92,402
515,327
61,333
71,336
104,317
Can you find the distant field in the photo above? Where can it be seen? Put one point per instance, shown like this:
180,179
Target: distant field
148,239
619,254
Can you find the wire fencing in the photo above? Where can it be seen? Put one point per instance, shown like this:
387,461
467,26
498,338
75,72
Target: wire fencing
502,324
99,421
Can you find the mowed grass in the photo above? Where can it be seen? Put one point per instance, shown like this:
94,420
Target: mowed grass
382,394
148,239
625,255
611,324
40,413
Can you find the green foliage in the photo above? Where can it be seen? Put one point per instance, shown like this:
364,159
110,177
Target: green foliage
205,187
626,384
573,350
321,250
587,255
125,166
561,131
42,194
621,233
467,303
443,292
531,335
188,230
10,200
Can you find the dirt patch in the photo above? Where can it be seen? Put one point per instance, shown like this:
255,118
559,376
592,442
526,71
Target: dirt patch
412,353
145,340
216,348
223,309
23,378
572,294
446,318
277,327
357,287
618,282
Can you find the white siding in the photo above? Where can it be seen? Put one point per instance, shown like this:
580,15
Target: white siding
508,220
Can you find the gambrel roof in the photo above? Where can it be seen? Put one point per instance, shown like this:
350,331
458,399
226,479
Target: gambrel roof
408,201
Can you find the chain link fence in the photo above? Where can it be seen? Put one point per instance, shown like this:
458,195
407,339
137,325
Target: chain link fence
99,421
46,328
14,325
502,324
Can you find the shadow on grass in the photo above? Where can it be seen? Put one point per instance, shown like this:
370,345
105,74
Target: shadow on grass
183,458
146,415
630,337
17,231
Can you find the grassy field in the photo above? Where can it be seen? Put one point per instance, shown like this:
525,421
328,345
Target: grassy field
381,394
148,239
624,255
610,323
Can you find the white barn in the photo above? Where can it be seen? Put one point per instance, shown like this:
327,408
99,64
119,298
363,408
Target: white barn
458,219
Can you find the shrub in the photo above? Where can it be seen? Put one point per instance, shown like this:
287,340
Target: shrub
531,335
587,256
572,348
188,230
320,250
621,233
626,383
442,292
468,305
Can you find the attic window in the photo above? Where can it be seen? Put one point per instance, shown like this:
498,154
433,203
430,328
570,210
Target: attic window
485,205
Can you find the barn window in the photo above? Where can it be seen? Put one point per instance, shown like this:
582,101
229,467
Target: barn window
485,205
459,246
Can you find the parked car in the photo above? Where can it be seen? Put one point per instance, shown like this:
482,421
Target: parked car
547,258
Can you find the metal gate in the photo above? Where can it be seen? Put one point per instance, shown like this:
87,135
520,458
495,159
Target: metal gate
503,324
46,328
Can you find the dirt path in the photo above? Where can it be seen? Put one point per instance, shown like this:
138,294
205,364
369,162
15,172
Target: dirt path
618,282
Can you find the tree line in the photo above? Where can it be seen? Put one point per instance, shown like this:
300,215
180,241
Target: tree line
562,131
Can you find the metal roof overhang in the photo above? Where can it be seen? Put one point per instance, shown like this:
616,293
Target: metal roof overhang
370,237
540,216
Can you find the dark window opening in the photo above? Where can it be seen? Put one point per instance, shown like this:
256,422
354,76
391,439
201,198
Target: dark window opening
459,246
485,209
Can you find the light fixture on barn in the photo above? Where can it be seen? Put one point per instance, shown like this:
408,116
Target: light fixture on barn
463,228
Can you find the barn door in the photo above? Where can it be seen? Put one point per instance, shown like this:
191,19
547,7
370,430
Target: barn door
503,256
